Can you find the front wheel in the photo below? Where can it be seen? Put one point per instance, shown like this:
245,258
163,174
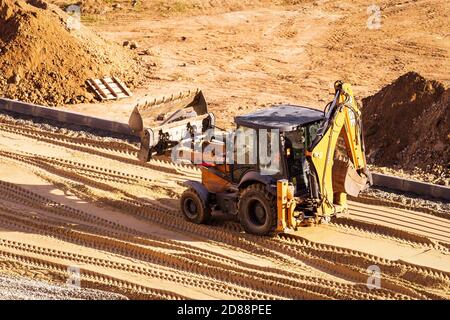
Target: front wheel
193,208
257,210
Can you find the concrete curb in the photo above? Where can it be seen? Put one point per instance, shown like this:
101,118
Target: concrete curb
407,185
64,116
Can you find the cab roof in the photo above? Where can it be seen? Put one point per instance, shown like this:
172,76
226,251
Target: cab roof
282,117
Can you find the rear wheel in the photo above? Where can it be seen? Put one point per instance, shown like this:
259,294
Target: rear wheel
257,210
193,208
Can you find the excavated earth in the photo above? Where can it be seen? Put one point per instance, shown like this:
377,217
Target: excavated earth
45,59
72,199
407,127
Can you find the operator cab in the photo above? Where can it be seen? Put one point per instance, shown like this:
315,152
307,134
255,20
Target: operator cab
297,127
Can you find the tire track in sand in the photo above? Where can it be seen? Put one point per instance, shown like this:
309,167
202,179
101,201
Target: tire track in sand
282,248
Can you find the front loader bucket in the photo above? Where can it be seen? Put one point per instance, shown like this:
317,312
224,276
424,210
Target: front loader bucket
346,179
159,112
163,123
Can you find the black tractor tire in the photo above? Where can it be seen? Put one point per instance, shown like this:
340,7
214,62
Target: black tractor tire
258,210
193,207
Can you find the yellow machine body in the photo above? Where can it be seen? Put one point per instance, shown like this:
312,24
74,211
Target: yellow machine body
337,178
352,180
263,204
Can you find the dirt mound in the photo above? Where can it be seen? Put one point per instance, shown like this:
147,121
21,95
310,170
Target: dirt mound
44,61
407,124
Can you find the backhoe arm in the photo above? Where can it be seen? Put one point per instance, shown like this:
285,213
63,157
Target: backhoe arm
342,115
352,132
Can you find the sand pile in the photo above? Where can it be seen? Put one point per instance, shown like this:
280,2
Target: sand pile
407,124
43,60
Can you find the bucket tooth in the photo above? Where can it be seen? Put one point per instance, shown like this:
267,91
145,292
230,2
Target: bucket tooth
135,122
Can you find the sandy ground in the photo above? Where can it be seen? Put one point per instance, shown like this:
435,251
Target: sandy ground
246,59
88,203
69,200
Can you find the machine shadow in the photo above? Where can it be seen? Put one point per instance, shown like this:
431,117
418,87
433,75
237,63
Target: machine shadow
48,204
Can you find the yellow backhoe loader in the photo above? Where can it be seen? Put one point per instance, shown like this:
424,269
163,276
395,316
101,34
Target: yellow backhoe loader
293,177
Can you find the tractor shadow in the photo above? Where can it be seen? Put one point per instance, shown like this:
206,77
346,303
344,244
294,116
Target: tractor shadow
40,205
